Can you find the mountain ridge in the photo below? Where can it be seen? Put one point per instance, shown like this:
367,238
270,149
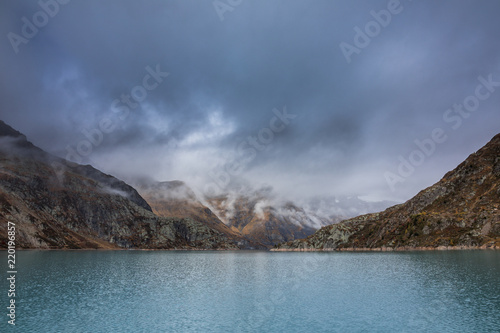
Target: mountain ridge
260,220
176,199
57,204
459,211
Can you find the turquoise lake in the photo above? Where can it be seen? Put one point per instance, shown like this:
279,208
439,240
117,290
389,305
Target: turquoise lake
166,291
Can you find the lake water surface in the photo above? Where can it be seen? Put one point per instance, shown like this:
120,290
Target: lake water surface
166,291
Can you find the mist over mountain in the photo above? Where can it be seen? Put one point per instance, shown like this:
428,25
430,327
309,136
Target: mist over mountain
259,214
68,205
255,214
266,95
175,199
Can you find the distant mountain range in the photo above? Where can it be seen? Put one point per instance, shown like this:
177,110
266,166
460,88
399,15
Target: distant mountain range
62,205
256,215
460,211
59,204
262,221
174,199
252,216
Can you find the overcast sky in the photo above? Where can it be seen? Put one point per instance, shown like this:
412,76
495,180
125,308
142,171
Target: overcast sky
348,105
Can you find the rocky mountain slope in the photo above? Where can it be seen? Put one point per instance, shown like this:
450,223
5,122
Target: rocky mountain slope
176,199
58,204
461,210
260,219
252,219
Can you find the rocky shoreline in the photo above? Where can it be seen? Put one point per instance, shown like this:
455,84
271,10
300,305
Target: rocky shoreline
391,249
135,249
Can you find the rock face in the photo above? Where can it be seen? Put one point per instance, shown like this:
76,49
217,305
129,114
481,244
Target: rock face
58,204
176,199
263,217
261,221
243,224
460,211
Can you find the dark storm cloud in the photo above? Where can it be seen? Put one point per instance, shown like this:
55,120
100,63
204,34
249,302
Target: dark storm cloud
352,121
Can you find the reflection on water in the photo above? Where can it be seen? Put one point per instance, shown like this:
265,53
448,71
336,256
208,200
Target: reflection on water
143,291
